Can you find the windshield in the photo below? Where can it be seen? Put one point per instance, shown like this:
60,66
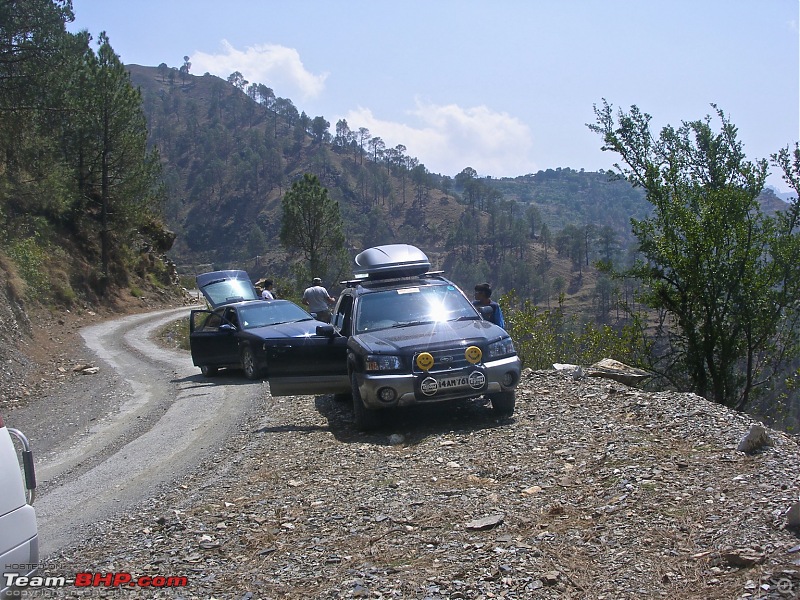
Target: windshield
412,306
271,313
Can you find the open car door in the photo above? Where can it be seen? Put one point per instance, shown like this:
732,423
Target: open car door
212,339
308,365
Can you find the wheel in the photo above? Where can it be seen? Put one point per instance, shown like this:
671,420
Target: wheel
250,364
208,371
503,403
366,419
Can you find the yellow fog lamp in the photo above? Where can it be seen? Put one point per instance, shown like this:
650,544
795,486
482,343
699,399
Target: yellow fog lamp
425,360
473,355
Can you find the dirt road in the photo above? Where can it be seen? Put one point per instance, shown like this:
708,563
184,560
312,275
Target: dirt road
107,440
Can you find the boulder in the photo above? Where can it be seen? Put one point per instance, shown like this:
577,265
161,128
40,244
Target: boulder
756,439
613,369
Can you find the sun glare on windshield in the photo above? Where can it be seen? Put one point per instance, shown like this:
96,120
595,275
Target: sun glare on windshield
437,311
412,306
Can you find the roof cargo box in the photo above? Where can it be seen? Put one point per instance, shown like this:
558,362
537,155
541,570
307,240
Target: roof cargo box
390,261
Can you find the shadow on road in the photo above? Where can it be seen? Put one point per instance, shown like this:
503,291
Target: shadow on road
225,377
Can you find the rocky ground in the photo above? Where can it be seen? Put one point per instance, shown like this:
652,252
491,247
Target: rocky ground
592,490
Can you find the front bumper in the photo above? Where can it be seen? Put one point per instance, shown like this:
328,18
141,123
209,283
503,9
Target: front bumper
406,386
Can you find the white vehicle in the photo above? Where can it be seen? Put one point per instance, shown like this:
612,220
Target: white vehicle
19,541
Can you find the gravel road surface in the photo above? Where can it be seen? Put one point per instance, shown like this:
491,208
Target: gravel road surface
143,420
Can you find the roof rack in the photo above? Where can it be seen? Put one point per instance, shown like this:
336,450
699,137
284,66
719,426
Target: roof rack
350,283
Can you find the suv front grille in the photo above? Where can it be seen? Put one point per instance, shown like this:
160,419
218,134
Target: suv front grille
451,359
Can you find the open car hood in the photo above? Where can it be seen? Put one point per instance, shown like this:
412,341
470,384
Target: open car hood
226,287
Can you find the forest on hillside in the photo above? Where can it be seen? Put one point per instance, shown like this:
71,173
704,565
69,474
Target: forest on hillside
192,169
80,188
231,149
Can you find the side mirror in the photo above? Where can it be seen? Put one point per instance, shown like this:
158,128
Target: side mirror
227,327
486,311
325,330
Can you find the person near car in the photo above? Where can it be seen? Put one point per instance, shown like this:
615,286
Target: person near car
266,292
318,300
483,297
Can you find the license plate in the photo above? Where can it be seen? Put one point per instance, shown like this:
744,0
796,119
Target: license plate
430,385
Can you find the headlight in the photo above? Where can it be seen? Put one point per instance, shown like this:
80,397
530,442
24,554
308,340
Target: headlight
500,348
382,362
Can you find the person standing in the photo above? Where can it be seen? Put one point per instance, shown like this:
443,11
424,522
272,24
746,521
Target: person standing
318,300
483,297
266,292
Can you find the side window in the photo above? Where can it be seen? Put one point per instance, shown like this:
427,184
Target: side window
212,322
231,317
343,318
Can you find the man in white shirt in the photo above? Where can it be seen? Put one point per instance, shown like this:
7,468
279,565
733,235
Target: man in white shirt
318,300
266,293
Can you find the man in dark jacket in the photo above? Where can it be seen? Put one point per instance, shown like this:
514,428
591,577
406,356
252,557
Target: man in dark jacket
483,297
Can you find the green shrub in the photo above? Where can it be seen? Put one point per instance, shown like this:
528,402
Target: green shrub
30,258
545,337
175,334
64,294
154,280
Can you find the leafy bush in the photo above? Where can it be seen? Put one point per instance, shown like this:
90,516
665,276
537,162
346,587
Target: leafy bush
544,337
29,258
175,334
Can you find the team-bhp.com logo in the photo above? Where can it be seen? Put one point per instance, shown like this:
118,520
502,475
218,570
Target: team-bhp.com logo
89,580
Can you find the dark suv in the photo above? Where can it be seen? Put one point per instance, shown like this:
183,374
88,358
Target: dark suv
407,336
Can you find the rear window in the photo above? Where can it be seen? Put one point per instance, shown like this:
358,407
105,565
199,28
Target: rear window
228,291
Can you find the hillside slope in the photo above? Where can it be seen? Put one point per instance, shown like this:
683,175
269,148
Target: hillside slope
229,159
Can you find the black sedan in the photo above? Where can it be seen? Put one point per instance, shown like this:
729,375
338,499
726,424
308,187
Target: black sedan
248,335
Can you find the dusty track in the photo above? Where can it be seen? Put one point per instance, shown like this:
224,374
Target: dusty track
111,439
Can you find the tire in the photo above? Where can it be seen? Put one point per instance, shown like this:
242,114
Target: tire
250,364
503,403
365,419
208,371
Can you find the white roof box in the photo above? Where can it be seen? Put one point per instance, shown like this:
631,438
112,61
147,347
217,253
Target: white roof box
393,260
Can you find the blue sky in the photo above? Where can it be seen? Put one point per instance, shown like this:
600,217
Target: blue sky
504,87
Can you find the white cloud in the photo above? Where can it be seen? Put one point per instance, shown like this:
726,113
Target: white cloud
275,66
449,138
